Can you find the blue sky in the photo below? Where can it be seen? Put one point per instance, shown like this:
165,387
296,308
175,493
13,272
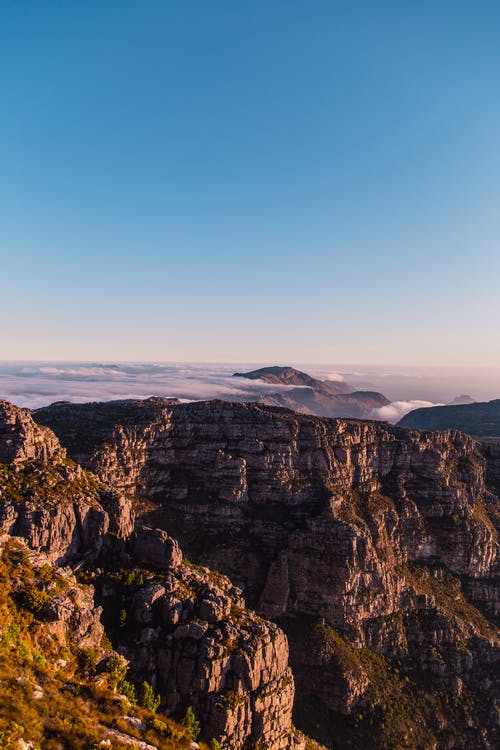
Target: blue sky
221,181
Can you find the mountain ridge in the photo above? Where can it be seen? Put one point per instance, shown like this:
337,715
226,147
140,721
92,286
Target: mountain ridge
313,396
363,540
481,419
182,636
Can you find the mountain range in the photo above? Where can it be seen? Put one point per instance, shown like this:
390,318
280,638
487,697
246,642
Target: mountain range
313,396
288,579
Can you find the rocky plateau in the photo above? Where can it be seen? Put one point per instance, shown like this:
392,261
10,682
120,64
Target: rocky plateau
182,630
373,547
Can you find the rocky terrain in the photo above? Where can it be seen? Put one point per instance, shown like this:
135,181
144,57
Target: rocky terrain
479,419
312,396
101,606
373,547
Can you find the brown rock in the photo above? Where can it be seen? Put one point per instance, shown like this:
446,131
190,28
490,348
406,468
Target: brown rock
154,547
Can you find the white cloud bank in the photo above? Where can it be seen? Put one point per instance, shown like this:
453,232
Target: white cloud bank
334,377
38,384
35,384
397,409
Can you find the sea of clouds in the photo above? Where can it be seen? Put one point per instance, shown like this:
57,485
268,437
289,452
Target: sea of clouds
34,384
38,384
394,411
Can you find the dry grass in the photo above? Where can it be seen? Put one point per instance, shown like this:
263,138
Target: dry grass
47,697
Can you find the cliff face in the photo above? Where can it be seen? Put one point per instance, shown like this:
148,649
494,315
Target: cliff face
60,681
187,631
344,495
182,628
60,509
374,546
21,439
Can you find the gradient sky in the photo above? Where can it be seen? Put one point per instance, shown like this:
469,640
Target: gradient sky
250,181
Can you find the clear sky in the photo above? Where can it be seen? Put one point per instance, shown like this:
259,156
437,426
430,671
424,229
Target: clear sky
250,181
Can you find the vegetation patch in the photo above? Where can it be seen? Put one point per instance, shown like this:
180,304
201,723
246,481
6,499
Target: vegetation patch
54,694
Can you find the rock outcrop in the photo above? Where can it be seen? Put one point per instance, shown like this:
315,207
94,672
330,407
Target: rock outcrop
183,629
60,681
45,498
21,439
375,546
188,633
65,607
154,548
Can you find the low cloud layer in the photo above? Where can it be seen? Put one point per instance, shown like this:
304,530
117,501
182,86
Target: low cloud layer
333,377
35,385
397,409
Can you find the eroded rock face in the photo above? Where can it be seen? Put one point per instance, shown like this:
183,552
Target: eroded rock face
155,548
189,634
21,439
70,614
58,531
385,534
57,507
326,501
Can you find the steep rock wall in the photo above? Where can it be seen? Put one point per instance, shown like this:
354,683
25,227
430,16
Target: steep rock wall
188,631
385,535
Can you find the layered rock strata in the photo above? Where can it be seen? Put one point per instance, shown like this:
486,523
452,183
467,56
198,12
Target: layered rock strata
59,508
382,538
183,629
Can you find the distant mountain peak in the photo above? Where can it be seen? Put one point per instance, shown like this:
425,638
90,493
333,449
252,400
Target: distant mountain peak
310,395
290,376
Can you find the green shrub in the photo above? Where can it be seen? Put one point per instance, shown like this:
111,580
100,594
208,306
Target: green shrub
11,635
159,726
38,659
128,690
87,660
117,670
169,730
148,699
123,618
34,599
130,578
8,738
192,725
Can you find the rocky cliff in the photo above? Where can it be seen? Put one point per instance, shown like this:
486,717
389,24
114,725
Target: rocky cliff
182,629
186,630
59,508
61,683
373,546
